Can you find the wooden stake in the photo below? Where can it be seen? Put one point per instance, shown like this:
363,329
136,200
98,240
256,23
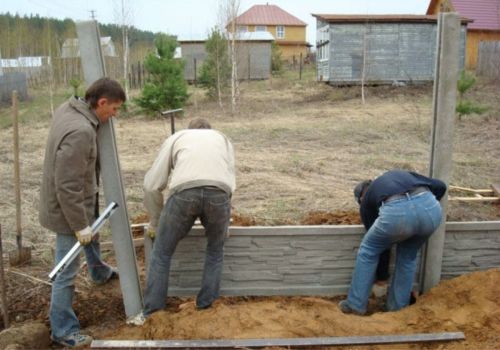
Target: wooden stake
5,306
17,176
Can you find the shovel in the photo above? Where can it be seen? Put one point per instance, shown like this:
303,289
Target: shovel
22,255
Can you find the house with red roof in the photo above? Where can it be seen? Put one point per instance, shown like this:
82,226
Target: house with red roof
288,31
485,25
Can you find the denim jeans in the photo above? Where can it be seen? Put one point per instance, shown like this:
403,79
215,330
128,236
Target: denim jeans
63,320
213,207
408,222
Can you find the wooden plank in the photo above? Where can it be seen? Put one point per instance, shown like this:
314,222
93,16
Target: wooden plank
496,189
474,199
467,189
290,342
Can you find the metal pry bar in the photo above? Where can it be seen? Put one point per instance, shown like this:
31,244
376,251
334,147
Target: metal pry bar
77,248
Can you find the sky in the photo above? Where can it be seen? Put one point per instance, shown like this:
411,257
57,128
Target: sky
194,18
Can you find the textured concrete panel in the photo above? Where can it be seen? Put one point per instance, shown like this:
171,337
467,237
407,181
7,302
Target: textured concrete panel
314,260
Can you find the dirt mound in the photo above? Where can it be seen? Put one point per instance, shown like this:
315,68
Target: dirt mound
341,217
242,220
470,303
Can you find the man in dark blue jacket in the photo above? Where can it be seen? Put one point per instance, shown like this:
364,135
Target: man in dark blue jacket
402,208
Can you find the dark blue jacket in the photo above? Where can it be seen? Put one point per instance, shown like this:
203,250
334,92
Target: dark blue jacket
390,183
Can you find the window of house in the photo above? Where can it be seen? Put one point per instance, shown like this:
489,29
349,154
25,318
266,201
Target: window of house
280,32
242,29
260,28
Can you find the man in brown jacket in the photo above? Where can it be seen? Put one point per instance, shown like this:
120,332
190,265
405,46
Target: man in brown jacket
68,197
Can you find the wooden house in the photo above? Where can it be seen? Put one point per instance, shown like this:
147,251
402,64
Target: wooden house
381,49
485,25
288,31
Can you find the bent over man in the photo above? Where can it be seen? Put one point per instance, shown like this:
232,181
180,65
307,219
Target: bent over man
402,208
200,164
68,197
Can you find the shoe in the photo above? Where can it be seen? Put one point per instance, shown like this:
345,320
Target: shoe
74,340
346,309
413,298
137,320
203,307
114,275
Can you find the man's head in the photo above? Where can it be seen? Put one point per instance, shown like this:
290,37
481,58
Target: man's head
360,189
199,123
105,96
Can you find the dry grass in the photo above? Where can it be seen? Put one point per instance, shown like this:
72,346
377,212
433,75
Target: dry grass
300,146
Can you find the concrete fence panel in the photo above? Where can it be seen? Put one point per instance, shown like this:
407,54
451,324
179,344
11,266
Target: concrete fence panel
313,260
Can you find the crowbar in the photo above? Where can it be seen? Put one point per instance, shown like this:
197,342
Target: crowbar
77,248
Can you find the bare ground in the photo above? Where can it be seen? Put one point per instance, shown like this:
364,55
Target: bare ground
300,149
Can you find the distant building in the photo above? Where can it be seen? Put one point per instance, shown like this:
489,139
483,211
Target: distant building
381,48
253,55
485,26
288,31
71,48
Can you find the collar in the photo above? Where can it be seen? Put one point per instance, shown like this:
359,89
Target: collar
83,107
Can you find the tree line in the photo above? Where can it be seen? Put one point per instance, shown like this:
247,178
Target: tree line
41,36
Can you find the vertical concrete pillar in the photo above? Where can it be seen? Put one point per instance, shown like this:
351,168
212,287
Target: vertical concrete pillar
444,102
93,69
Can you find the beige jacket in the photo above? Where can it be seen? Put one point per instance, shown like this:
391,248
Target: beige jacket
189,158
69,186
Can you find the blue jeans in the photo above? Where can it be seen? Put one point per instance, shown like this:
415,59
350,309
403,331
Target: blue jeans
213,207
408,222
63,320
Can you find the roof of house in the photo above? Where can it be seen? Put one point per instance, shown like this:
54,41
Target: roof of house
484,13
268,15
240,36
379,18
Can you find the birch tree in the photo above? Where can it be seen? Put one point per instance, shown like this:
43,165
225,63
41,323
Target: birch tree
124,16
230,9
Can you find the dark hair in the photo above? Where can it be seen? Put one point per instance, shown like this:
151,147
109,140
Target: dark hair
360,189
199,123
104,88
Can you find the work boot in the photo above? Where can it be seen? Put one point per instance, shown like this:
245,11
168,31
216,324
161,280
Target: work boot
346,309
137,320
114,275
74,340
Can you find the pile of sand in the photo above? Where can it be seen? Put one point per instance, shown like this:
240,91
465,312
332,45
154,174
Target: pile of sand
469,303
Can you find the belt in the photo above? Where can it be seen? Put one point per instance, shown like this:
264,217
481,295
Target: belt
411,193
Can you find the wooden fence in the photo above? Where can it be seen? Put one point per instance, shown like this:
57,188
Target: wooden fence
488,63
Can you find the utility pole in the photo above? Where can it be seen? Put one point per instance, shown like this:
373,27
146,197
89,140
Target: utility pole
92,14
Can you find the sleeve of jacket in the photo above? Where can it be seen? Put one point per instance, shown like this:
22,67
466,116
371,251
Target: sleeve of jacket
438,188
156,181
71,161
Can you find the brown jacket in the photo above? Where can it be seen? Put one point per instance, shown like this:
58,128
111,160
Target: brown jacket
69,186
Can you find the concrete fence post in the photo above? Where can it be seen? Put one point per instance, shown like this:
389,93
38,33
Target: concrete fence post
93,69
444,102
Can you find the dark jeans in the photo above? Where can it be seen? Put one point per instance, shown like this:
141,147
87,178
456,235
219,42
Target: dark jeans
213,207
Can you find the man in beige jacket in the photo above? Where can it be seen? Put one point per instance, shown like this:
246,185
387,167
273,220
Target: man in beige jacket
198,166
68,197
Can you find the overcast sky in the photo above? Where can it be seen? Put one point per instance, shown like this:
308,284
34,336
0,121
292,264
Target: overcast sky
188,18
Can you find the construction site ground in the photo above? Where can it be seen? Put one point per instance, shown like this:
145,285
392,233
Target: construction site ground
300,148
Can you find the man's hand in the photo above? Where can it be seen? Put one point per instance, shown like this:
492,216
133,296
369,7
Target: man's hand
84,236
151,232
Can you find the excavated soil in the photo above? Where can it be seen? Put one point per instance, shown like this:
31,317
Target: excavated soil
469,303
